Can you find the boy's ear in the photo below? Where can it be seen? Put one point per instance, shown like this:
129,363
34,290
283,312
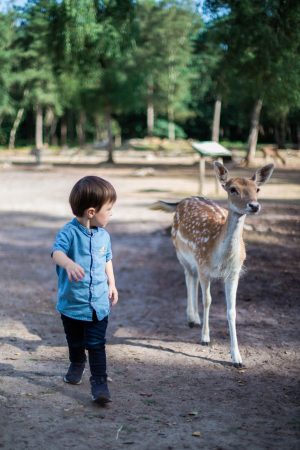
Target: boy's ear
91,212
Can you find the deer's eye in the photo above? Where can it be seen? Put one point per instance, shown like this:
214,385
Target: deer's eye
257,190
233,190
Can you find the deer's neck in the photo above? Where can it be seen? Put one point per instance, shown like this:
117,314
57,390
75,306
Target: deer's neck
232,235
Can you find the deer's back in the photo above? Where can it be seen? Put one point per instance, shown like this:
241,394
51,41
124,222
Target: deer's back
197,229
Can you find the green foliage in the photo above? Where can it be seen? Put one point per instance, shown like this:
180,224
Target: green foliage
6,62
34,72
261,43
164,52
96,59
161,129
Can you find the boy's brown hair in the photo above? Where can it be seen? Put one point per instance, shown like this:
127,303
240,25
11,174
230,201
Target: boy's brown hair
91,192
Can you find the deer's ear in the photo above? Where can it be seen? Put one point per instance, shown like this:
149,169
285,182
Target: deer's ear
262,175
221,173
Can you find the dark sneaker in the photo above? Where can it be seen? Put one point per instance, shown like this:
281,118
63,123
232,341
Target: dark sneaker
74,374
99,389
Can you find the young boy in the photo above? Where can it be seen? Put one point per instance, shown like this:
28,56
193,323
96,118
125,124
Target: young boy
86,283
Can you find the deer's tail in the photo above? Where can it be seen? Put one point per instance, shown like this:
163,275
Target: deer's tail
164,206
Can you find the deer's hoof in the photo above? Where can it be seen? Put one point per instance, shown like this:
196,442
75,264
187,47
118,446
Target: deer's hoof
205,343
238,365
194,325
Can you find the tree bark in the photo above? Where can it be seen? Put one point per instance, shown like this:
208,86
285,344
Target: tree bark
298,137
63,132
150,111
13,131
110,145
253,135
98,128
38,134
171,126
216,120
80,129
50,123
39,128
53,135
280,134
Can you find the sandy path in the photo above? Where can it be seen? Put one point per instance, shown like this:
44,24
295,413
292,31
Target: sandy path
165,385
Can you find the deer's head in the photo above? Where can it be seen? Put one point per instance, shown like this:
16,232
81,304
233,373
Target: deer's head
242,192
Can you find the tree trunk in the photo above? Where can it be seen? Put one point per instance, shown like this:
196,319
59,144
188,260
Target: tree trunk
63,132
171,126
150,111
280,134
253,135
50,123
13,131
80,129
110,145
39,128
53,135
38,134
298,137
98,128
216,120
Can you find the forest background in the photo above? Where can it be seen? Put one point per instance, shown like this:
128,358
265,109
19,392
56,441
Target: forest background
76,72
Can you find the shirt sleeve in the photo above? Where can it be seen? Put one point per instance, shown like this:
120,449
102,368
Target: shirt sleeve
109,252
62,242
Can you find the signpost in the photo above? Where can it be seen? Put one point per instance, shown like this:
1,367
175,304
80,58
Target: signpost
208,150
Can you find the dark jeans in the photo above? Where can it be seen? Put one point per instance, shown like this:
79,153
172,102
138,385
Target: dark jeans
83,335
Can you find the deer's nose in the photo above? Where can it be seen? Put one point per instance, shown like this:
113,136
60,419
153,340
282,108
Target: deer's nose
254,206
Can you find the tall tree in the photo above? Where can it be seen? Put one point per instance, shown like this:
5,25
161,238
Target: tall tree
261,38
35,70
164,52
113,60
210,60
6,62
74,35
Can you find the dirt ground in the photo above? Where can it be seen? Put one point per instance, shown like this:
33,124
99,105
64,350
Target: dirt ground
169,392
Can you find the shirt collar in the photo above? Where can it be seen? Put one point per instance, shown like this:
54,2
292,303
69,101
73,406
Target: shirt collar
84,229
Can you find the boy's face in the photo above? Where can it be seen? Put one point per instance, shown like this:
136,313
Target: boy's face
101,218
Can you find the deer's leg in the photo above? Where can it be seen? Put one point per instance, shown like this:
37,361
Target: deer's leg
230,292
192,284
206,300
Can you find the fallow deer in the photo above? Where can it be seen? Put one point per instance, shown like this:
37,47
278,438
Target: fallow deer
209,244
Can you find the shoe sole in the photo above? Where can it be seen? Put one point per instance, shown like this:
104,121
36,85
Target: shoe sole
73,382
101,400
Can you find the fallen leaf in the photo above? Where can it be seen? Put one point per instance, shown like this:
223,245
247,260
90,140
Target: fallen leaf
196,434
145,394
118,432
193,413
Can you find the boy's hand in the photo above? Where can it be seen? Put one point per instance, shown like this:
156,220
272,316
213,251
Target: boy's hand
113,294
75,271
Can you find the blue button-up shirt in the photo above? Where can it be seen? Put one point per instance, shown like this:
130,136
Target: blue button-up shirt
91,249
